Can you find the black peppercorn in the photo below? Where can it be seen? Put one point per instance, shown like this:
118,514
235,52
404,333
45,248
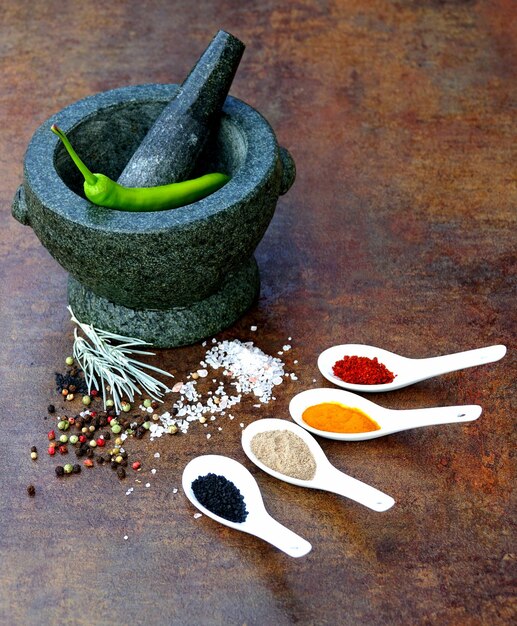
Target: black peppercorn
34,449
121,473
60,470
51,408
139,432
89,453
77,469
31,490
114,465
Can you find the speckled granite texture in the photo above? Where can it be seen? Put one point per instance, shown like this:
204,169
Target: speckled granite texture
158,260
171,148
177,326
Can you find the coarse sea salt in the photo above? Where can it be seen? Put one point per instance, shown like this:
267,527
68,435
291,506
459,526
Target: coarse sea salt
245,367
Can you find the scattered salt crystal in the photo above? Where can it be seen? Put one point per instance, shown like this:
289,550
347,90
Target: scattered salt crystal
286,347
314,380
289,338
197,515
208,436
177,387
126,537
153,471
241,425
147,484
277,380
202,373
257,406
219,428
295,361
280,352
156,455
174,490
253,328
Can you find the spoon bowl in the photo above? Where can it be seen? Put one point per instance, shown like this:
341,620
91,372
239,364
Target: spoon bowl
390,420
327,477
407,371
258,522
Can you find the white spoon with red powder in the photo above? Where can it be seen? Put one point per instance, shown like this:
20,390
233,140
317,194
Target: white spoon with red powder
405,371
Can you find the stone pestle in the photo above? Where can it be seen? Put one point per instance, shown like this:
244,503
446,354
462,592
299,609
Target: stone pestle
169,151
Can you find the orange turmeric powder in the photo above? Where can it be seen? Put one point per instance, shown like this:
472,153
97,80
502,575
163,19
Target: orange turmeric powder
338,418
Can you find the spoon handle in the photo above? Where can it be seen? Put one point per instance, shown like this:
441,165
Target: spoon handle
452,362
281,537
404,419
338,482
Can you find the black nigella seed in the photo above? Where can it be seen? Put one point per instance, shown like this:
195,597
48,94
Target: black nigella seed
31,490
220,496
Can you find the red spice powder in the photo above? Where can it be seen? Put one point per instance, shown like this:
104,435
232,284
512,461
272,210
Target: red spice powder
361,370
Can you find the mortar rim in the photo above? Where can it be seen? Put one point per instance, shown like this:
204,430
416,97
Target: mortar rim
49,188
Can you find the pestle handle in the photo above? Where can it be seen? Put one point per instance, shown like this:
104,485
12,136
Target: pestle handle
169,151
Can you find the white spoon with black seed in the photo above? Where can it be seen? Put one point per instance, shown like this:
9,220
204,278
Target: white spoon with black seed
257,520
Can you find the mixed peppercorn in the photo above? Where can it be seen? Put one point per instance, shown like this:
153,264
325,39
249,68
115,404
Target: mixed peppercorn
96,437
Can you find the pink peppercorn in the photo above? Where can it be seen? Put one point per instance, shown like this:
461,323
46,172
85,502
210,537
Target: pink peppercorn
82,438
71,420
136,465
52,450
94,393
93,413
51,435
101,442
63,449
88,463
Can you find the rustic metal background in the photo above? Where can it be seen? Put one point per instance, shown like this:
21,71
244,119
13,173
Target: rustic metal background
399,231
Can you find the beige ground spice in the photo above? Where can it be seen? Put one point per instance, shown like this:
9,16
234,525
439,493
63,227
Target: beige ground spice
285,452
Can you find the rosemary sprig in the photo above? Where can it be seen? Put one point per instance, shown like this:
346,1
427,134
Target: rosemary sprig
110,366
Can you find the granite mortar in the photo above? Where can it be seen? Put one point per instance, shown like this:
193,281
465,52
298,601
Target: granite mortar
168,277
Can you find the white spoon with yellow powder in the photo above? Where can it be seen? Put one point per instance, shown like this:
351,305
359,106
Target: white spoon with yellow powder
293,455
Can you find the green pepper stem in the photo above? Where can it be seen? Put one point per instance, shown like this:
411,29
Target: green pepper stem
89,177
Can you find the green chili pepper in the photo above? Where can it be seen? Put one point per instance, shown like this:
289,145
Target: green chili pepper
105,192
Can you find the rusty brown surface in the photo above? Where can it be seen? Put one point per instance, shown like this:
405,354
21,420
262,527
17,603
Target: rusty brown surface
399,232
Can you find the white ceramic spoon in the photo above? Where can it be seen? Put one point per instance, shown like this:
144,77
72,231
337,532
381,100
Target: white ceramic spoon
327,477
258,521
390,420
407,371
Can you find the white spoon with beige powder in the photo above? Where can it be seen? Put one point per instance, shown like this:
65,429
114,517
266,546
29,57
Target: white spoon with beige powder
288,452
